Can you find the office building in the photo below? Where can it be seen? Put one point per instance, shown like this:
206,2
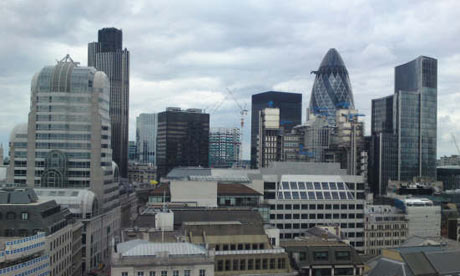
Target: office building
404,125
224,147
385,227
68,133
141,173
36,235
138,257
290,106
449,176
107,55
65,152
99,229
424,217
182,139
132,152
146,137
269,139
332,88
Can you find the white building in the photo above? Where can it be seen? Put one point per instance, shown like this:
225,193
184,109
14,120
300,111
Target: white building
305,201
424,217
141,258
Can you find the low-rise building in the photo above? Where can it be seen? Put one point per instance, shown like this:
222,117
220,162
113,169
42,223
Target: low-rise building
141,173
321,253
30,226
385,227
141,258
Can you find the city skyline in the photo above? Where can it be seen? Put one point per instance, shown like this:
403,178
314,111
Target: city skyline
187,57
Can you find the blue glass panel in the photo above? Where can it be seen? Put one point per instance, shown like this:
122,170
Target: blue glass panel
325,185
294,185
340,186
317,186
333,185
295,195
309,186
287,195
343,195
335,195
311,195
319,195
327,195
303,195
301,185
285,185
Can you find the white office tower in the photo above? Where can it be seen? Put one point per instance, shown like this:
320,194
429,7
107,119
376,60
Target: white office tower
424,217
65,151
68,137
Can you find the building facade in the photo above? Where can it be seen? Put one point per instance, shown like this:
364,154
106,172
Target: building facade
332,88
68,134
182,139
107,55
405,125
224,147
146,137
385,227
290,106
424,217
269,139
305,201
36,234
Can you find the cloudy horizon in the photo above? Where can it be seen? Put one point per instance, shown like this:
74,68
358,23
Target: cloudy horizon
187,53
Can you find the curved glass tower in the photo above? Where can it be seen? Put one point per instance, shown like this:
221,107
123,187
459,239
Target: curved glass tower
332,88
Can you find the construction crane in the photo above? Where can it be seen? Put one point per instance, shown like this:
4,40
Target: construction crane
455,143
243,113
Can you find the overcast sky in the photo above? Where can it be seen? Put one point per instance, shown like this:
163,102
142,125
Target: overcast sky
186,53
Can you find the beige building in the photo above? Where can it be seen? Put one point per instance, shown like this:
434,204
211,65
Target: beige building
385,227
141,173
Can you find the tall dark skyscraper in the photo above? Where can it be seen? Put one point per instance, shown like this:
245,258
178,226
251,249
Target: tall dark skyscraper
108,55
332,87
290,105
182,139
404,126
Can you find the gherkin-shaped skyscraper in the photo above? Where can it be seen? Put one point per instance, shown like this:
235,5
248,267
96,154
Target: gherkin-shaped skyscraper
332,88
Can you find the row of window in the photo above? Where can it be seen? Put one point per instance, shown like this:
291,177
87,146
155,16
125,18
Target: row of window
316,216
321,186
317,207
309,225
386,234
251,264
240,246
186,272
12,215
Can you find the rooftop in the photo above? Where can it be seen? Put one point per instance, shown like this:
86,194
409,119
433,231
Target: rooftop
136,248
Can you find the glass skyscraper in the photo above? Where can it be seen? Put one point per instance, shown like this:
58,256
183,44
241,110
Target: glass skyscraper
146,137
332,87
404,126
290,105
108,55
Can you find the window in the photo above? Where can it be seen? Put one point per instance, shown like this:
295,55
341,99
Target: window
242,264
175,272
227,265
10,215
24,216
281,263
264,264
124,274
250,264
152,273
164,273
235,265
202,272
320,256
302,256
220,265
140,273
272,263
342,255
343,271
